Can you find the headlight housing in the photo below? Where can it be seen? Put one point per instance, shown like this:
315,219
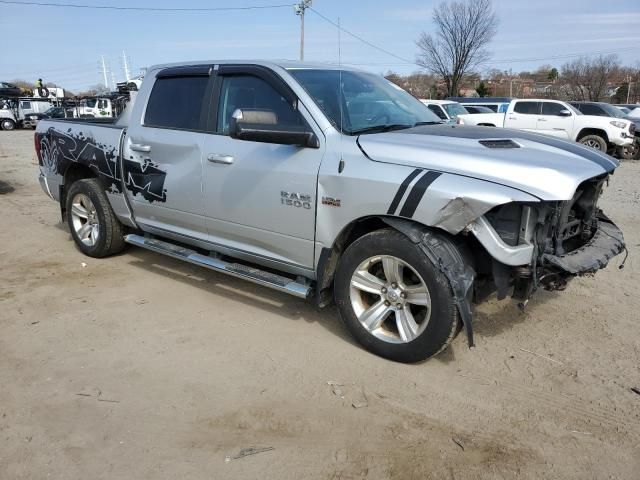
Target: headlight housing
618,124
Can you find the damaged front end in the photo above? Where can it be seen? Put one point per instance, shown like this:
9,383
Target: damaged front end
565,239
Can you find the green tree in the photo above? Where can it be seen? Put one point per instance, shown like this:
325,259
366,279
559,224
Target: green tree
482,90
553,74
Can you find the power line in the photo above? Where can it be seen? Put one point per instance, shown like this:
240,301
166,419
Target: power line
357,37
148,9
560,57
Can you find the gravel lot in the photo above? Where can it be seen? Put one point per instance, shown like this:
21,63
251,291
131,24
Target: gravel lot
142,367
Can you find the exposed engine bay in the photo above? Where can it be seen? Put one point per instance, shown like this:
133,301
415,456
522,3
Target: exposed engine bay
570,238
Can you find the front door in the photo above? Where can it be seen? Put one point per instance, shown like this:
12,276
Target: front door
260,198
163,154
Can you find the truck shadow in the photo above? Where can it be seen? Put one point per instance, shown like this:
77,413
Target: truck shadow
242,291
494,317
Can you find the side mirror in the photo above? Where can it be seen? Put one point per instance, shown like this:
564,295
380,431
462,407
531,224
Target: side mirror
262,126
565,113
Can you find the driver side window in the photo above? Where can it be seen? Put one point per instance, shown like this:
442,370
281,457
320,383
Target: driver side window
247,91
438,111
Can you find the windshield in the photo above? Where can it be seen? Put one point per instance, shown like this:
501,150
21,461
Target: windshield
455,109
613,111
367,102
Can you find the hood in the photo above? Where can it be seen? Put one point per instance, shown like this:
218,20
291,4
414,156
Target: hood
543,166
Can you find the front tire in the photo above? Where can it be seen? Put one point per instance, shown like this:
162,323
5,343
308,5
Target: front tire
393,300
93,225
594,141
7,124
629,152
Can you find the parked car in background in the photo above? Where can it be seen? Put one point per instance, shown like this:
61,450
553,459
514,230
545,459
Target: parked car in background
9,90
22,112
275,172
560,119
496,104
477,109
446,110
602,109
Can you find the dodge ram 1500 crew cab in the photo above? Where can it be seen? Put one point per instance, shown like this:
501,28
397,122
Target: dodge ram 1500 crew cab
333,184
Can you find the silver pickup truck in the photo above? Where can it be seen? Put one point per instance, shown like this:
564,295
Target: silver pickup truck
332,184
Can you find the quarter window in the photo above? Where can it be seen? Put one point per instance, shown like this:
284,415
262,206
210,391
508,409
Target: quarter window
527,108
247,91
176,102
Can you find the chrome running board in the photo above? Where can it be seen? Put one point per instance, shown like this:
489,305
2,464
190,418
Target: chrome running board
255,275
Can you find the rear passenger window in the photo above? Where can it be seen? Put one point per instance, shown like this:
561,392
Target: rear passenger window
550,108
527,108
176,102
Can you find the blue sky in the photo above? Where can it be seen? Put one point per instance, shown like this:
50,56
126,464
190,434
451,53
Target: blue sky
64,45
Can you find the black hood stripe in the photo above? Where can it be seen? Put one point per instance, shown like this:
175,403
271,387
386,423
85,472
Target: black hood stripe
403,188
417,192
605,161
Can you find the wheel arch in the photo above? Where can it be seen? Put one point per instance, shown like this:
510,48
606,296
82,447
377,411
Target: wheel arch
330,256
74,172
593,131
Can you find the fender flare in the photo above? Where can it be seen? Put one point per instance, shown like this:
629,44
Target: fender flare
444,254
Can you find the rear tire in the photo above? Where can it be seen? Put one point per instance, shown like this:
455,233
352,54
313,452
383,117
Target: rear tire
594,141
393,300
93,225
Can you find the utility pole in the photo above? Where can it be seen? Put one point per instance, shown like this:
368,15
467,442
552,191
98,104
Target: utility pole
126,66
104,72
628,87
299,9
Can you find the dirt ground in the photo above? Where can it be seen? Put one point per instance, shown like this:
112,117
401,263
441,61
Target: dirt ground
143,367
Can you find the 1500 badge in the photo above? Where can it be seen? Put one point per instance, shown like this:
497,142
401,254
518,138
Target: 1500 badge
293,199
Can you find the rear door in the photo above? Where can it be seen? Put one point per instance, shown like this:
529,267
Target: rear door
523,115
163,152
260,198
554,120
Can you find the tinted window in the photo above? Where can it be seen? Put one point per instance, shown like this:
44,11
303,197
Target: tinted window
438,111
550,108
491,107
246,91
176,102
528,108
25,105
592,110
91,102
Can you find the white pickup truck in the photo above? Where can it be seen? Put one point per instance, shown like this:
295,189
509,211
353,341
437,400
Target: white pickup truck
559,119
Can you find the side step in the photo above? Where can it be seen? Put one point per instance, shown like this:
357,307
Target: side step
255,275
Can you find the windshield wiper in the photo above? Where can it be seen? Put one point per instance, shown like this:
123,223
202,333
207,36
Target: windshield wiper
381,128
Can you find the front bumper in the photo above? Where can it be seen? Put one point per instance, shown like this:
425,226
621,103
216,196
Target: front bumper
607,242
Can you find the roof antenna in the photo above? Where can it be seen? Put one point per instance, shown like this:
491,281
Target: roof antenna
340,96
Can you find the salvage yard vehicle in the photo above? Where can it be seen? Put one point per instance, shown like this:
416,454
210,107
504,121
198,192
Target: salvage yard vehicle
602,109
261,170
560,119
23,112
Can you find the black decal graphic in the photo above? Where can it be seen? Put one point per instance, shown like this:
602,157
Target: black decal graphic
58,149
403,188
417,192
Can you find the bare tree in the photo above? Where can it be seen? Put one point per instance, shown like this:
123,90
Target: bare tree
462,31
587,79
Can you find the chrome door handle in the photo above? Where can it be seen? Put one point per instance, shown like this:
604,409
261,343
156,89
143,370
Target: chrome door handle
220,158
542,119
136,147
512,118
